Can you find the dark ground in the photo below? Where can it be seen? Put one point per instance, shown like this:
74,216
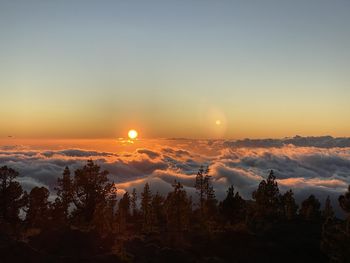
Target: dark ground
293,242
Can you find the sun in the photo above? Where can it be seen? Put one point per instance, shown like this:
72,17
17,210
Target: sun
132,134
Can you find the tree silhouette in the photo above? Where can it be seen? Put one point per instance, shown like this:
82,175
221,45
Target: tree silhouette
92,189
178,208
133,200
310,208
103,220
210,202
64,198
123,212
165,228
233,206
200,185
158,214
206,193
267,197
146,208
12,196
344,202
38,207
328,212
290,207
335,241
124,204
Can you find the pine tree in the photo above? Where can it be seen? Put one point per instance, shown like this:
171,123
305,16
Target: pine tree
12,196
64,198
328,212
344,202
289,205
38,207
92,190
124,203
158,215
210,198
146,207
310,208
103,220
267,198
206,193
133,201
178,209
233,206
123,213
335,241
200,186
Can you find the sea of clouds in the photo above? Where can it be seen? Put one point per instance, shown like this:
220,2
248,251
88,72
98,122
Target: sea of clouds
308,165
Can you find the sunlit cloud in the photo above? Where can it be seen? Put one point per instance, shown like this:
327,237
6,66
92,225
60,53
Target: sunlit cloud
305,169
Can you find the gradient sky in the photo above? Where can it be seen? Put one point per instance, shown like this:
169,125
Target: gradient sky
92,69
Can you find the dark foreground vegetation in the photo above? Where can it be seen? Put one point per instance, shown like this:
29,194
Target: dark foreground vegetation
86,223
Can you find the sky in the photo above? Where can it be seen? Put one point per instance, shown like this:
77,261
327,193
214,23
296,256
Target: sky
170,69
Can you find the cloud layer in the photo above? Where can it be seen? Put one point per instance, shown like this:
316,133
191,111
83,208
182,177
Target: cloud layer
320,142
319,165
